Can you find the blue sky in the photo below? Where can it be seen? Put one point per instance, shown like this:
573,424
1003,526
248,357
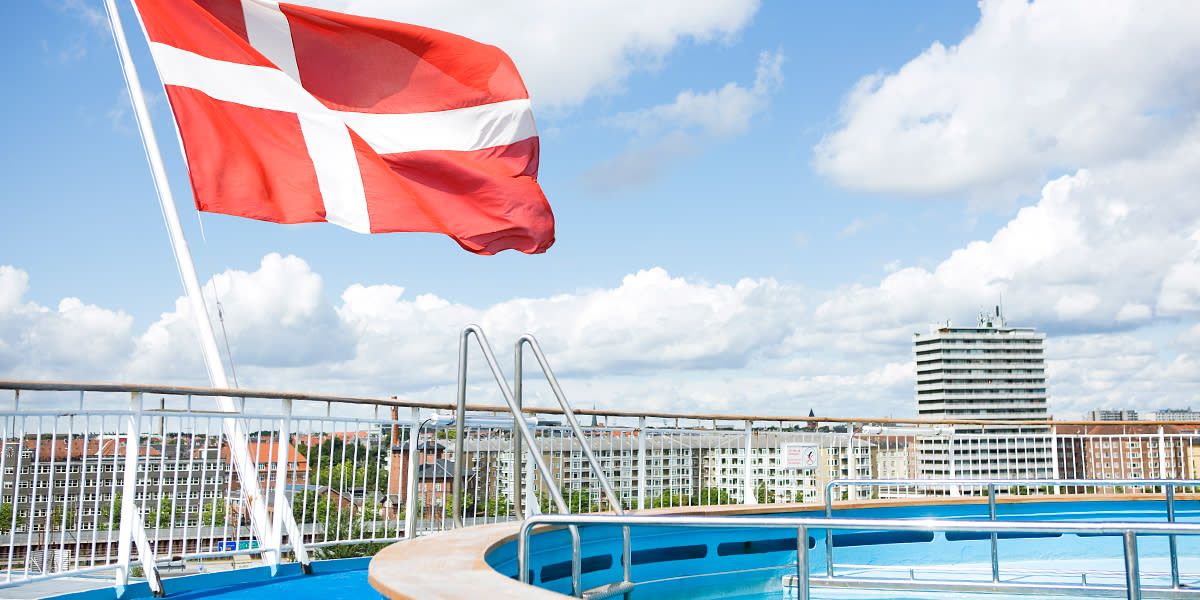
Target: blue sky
756,204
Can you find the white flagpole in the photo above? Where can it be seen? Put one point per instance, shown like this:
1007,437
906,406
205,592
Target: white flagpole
234,432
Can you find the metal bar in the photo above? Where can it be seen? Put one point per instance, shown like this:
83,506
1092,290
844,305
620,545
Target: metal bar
411,489
1133,584
992,517
518,457
1174,550
641,482
176,390
802,563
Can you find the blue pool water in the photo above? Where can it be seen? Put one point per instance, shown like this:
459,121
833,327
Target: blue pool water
748,564
340,585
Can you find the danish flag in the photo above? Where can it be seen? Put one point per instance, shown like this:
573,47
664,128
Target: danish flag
294,114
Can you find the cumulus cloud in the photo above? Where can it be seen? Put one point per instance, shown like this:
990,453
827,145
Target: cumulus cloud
275,317
667,133
1037,86
74,341
569,51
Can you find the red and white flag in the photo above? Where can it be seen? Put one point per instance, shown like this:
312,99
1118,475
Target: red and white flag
294,114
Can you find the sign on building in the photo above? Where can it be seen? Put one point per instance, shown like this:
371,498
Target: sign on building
800,456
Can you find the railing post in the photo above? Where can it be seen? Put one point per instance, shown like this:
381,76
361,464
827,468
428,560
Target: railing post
829,532
282,506
748,496
1171,538
1133,584
459,418
991,488
131,531
641,483
802,563
411,489
517,455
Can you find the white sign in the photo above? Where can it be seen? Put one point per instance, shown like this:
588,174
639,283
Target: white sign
800,456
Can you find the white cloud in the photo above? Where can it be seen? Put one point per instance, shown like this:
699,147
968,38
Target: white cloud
1099,248
1134,312
567,52
669,132
722,112
73,341
1036,86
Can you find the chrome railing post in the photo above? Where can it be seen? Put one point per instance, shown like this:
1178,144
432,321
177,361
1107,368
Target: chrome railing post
576,564
1133,585
991,488
586,448
523,553
1174,550
802,563
517,455
411,489
459,417
641,483
748,496
829,532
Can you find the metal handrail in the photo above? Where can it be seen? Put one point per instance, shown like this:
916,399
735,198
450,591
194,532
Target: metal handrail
522,426
180,390
1168,486
577,431
1128,530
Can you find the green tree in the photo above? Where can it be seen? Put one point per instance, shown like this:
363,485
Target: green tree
110,514
711,496
213,513
666,498
6,518
165,514
764,495
497,506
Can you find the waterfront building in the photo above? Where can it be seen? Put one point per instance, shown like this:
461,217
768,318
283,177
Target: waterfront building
989,372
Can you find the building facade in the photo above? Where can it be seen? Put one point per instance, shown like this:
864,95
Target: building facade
989,372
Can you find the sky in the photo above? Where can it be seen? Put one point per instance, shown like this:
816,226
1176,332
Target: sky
757,205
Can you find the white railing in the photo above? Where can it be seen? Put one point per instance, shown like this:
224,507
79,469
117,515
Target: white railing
358,473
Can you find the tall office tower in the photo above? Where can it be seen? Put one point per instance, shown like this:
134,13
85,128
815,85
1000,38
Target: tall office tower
989,372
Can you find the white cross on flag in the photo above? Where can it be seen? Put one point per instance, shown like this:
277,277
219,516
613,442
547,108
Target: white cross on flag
294,114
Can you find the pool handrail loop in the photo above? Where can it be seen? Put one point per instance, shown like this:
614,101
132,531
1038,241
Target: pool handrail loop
1167,484
1129,530
613,500
522,426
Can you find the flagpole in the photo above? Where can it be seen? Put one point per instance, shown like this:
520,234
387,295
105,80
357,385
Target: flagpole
235,434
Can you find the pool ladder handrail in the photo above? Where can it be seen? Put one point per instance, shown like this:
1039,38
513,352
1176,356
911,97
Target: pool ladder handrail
1128,530
1168,486
514,401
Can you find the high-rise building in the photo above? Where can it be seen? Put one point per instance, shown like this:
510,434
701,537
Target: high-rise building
989,372
1111,414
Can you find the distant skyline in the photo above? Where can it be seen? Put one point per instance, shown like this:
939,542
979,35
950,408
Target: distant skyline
757,205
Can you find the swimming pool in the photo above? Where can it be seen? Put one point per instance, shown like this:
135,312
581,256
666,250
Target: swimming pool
735,562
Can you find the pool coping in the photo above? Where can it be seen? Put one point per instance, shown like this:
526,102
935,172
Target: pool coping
452,565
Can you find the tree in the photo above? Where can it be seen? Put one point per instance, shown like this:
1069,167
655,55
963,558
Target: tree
6,518
764,495
711,496
165,515
497,506
213,513
666,498
110,514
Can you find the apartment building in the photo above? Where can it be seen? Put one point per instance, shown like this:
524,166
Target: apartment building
989,372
